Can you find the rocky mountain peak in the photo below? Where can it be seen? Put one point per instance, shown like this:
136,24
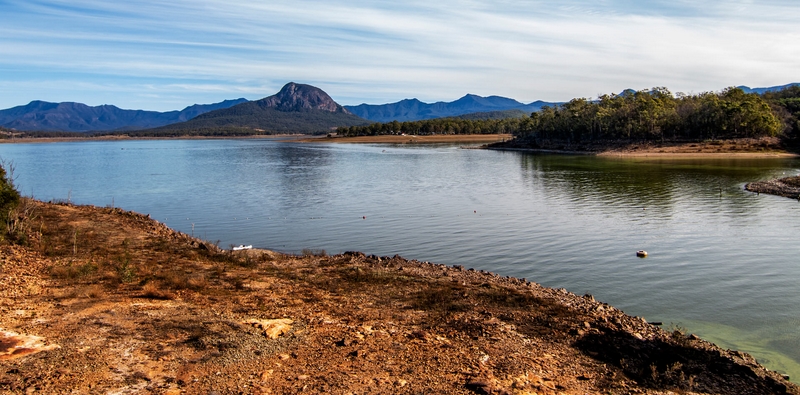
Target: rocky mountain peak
298,97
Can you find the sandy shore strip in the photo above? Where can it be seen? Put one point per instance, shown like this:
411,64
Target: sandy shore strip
695,155
413,139
746,148
659,154
728,150
435,139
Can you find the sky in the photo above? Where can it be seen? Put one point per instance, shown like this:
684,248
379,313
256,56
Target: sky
159,55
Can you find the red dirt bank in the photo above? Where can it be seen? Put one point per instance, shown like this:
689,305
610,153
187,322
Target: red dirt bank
124,305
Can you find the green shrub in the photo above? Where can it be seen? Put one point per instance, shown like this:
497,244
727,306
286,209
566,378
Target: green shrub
9,199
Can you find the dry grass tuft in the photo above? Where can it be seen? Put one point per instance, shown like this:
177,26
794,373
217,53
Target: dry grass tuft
153,290
93,291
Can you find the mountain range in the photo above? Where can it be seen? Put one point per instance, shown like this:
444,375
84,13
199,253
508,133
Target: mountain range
296,108
415,110
761,91
78,117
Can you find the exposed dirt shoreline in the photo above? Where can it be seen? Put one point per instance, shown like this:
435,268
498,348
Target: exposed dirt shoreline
435,139
736,148
413,139
102,300
739,148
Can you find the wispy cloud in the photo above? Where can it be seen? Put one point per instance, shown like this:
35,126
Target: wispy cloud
157,55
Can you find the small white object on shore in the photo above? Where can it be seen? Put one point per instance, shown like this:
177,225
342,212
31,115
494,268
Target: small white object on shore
243,247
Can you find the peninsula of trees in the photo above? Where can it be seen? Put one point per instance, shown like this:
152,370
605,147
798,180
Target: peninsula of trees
654,115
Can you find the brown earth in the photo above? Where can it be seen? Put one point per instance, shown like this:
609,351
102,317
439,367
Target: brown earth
744,148
103,301
762,147
412,139
767,147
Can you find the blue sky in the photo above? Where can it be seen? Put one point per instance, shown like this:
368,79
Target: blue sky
155,55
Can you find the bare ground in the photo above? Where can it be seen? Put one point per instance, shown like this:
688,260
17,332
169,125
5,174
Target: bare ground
104,301
761,147
413,139
767,147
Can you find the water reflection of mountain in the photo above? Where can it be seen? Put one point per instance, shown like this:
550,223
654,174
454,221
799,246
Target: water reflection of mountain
304,171
660,185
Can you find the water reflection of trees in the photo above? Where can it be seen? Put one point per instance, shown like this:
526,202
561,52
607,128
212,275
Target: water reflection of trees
660,185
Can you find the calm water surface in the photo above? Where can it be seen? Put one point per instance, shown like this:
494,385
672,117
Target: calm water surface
724,263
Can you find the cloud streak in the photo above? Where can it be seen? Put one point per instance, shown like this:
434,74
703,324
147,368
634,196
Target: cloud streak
162,56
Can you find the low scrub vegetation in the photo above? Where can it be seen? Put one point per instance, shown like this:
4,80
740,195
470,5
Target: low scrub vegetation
9,200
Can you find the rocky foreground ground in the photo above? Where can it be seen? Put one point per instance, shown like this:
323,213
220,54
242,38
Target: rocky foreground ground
103,301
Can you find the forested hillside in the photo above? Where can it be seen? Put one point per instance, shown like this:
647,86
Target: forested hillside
786,104
654,115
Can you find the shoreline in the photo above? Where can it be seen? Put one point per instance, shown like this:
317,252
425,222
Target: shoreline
129,138
657,154
768,147
691,155
182,316
678,151
412,139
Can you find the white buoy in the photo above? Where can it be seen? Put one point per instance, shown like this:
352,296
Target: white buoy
641,253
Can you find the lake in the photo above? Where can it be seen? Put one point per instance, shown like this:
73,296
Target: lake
723,262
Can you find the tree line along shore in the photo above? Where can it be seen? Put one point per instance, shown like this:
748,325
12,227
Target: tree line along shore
646,116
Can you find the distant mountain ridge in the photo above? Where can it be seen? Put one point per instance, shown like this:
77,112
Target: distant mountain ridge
294,102
761,91
296,108
415,110
77,117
